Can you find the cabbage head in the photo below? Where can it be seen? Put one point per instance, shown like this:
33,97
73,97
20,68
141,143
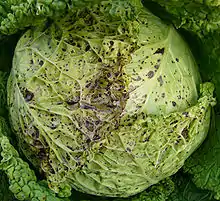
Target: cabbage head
107,100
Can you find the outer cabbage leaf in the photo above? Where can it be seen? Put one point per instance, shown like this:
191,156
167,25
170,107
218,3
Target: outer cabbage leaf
158,192
19,14
210,61
5,193
94,104
22,180
3,95
204,164
199,17
185,190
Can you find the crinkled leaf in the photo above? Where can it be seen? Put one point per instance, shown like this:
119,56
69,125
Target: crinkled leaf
97,100
3,93
158,192
185,190
204,164
5,193
22,180
19,14
200,17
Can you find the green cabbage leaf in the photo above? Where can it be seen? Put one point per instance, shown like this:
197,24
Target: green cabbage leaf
88,43
93,103
204,164
201,19
22,180
16,15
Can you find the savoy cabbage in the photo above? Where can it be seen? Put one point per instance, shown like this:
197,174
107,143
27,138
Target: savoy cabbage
106,98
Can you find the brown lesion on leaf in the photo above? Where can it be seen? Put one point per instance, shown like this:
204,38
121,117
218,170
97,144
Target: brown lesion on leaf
28,95
185,133
160,51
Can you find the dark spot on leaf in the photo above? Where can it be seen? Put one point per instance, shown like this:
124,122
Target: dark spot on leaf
88,140
86,106
67,157
146,139
71,148
111,42
89,125
185,132
157,66
117,74
173,103
87,48
186,114
28,95
150,74
88,85
52,171
41,63
160,51
128,149
137,78
174,122
96,137
42,154
53,126
36,133
73,101
160,80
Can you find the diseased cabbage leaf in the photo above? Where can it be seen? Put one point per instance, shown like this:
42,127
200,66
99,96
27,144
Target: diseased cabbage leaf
22,180
19,14
176,188
93,103
201,18
158,192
